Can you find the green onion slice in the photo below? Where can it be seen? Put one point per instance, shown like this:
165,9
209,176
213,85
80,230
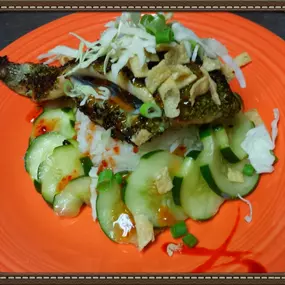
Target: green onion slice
118,178
150,110
67,86
248,170
165,36
178,230
146,19
105,179
157,26
190,240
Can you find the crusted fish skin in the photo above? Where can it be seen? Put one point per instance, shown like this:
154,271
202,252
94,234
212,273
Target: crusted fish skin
38,82
42,83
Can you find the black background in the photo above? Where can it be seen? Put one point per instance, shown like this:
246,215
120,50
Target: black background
15,24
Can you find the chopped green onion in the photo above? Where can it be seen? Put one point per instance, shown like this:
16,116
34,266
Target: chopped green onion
178,230
193,43
150,110
248,170
157,26
190,240
164,36
146,19
119,178
67,86
105,179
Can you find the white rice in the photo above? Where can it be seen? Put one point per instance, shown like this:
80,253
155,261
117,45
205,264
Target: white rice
106,152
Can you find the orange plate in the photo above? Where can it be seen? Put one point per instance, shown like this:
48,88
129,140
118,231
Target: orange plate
34,239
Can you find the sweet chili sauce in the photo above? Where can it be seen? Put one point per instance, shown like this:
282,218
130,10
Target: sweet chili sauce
221,251
45,126
33,114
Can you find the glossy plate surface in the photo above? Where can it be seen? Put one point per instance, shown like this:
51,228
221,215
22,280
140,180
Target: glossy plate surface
34,239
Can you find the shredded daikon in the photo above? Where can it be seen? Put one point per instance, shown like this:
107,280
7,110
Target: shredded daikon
195,53
93,197
274,125
247,218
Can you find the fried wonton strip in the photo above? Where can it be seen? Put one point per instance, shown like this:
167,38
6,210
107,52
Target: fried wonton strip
177,55
200,87
156,76
136,68
170,96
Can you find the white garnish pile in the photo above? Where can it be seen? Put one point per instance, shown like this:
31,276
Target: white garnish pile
247,218
172,247
258,145
126,37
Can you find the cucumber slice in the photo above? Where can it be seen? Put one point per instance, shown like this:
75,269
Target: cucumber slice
214,169
55,120
110,208
197,198
58,169
229,139
69,201
178,179
39,150
142,197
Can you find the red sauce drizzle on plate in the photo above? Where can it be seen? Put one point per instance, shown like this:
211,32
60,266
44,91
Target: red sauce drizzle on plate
33,114
221,251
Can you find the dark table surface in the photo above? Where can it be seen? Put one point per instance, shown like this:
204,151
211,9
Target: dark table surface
15,24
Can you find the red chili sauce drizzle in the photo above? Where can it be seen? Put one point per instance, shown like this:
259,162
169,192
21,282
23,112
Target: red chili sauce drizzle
221,251
103,165
45,126
116,150
135,149
33,114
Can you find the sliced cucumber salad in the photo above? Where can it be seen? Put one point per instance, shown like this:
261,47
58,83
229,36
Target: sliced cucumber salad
39,150
70,200
215,170
230,137
164,189
55,120
197,198
54,163
114,218
58,169
142,194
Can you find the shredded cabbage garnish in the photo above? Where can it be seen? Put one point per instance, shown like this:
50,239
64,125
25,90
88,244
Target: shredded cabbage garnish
123,39
84,90
195,53
212,48
126,37
258,145
247,218
274,125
